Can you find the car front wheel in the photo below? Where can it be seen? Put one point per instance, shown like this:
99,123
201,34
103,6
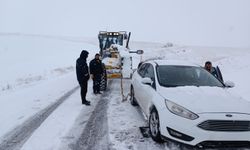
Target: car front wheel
154,126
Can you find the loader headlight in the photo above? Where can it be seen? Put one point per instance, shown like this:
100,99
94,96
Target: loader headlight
180,111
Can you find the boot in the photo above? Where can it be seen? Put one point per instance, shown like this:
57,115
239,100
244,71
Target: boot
86,102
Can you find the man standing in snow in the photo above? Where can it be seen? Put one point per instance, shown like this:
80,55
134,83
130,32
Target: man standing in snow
96,71
82,73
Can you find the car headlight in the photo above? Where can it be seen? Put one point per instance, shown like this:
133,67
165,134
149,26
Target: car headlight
180,111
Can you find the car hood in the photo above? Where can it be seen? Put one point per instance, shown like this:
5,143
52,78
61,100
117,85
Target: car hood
206,99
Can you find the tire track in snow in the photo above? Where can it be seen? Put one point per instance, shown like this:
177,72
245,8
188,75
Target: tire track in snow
95,134
125,134
18,136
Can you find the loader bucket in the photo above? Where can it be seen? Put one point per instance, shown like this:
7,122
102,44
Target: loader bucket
113,65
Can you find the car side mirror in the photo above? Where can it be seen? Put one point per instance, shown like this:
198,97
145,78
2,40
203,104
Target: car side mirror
147,81
139,52
229,84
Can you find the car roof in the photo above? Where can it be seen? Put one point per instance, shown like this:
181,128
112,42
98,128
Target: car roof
173,62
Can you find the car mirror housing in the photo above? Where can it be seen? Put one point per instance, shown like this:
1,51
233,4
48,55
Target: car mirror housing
229,84
139,52
147,81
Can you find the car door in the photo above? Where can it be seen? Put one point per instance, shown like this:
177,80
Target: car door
148,90
219,75
137,78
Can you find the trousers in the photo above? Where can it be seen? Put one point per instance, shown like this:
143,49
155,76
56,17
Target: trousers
97,83
84,89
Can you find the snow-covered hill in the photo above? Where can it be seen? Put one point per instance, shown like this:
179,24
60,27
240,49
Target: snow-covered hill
26,59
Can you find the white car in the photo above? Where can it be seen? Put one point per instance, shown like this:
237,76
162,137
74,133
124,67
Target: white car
185,103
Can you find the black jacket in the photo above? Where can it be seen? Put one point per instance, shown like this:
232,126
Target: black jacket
82,71
95,67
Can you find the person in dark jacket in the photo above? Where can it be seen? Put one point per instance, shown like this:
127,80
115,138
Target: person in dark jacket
96,71
82,73
208,66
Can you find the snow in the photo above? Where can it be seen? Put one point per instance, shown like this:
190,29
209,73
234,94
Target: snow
203,99
19,105
32,59
60,123
41,40
32,70
36,71
124,122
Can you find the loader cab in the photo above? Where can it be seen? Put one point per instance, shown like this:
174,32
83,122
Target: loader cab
106,39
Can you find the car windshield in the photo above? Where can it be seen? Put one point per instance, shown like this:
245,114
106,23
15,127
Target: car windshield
172,76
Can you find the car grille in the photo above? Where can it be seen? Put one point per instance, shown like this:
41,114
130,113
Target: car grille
225,125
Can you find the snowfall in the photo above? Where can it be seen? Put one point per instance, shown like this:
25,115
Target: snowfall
40,104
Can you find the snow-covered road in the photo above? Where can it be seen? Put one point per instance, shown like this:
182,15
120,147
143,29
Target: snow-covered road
95,134
109,123
18,136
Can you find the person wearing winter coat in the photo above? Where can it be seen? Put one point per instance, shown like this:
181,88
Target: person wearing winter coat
208,66
82,73
96,71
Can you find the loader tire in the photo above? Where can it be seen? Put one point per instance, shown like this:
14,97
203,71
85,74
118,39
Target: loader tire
103,84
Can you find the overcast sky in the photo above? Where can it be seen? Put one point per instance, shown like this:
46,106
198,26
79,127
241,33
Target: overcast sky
190,22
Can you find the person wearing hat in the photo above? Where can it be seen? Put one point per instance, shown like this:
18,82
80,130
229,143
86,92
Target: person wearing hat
96,71
82,73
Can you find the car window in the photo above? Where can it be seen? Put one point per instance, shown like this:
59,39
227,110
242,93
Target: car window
142,70
149,72
171,76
